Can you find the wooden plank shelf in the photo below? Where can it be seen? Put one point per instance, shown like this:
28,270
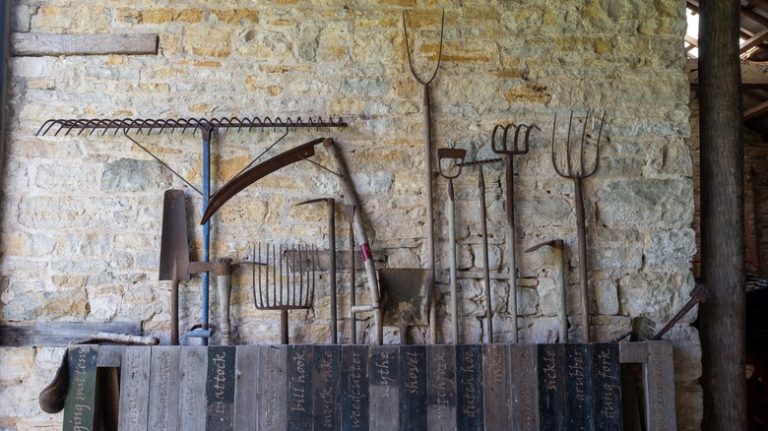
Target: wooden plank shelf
322,387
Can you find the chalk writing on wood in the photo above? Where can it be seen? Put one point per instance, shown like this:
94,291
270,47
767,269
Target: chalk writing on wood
354,397
164,388
273,394
441,387
247,404
384,387
469,389
413,388
606,380
300,393
134,399
578,387
220,388
496,387
552,386
192,405
525,387
81,394
327,387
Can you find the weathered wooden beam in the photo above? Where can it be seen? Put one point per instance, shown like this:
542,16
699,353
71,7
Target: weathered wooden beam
753,74
48,334
754,41
722,317
41,44
756,112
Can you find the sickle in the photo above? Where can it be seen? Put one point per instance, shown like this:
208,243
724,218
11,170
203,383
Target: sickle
240,182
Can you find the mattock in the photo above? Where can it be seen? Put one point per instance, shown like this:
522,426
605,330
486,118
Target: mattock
577,170
509,150
452,170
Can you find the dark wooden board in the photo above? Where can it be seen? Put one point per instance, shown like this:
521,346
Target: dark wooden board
55,334
384,387
81,395
354,390
39,44
469,387
164,388
578,387
525,387
441,388
194,361
413,388
220,389
273,394
497,387
300,393
606,386
327,387
551,372
247,388
134,389
659,381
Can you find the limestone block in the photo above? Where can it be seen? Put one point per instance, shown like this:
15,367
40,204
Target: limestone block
208,41
657,295
130,175
648,202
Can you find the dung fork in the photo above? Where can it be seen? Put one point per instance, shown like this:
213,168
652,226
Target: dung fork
577,170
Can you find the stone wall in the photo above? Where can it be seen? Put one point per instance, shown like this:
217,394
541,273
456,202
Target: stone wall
81,214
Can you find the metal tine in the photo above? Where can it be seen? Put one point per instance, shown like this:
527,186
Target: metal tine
294,264
255,270
301,272
581,170
315,264
280,264
274,276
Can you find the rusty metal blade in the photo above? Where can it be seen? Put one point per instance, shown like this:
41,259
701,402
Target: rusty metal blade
240,182
174,248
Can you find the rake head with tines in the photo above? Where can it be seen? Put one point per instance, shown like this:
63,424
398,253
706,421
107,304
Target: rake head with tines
578,168
503,145
284,279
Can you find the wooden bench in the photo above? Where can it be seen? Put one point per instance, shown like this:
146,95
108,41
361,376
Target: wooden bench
323,387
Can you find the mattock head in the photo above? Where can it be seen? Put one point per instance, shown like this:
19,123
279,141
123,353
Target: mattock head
516,146
578,167
449,161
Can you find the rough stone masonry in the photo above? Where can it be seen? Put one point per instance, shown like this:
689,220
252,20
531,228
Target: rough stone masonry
81,214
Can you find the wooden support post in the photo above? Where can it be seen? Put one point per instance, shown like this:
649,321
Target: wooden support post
722,188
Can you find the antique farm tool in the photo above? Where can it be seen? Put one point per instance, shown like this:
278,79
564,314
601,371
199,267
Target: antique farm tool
428,174
577,168
174,251
245,179
331,204
208,128
362,239
222,269
558,247
283,279
484,228
403,291
698,294
349,212
508,149
448,160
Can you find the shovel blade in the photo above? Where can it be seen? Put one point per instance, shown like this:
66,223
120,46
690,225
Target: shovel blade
174,246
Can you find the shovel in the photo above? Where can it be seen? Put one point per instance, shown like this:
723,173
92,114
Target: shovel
174,251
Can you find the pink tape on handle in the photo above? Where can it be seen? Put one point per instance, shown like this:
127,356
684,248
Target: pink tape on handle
365,250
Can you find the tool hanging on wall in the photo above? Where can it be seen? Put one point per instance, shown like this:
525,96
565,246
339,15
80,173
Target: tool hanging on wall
174,251
558,247
484,233
362,239
291,285
428,174
331,204
508,150
448,160
349,213
643,328
207,127
577,170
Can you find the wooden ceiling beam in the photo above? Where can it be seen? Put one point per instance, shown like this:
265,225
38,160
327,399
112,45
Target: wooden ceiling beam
754,41
756,112
753,74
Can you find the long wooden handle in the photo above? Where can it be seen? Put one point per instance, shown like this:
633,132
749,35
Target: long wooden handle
360,235
581,228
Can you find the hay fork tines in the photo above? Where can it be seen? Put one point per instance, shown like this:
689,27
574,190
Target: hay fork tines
503,145
578,168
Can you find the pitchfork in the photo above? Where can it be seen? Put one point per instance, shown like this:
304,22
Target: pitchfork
577,170
510,149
